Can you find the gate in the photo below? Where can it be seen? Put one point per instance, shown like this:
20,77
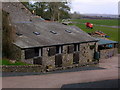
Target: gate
37,60
58,60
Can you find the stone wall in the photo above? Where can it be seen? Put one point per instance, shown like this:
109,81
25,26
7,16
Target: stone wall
67,58
107,53
86,56
16,52
48,61
22,68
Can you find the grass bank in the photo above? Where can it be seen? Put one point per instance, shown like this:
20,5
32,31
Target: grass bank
111,22
7,62
112,32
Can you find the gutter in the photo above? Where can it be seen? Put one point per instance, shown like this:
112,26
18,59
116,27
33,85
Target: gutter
55,45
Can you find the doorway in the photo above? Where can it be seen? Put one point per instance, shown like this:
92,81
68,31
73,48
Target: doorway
58,60
76,58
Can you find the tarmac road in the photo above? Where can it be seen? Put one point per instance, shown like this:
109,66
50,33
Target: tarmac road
98,84
57,80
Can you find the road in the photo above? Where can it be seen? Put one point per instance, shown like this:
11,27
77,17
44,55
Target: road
57,80
98,84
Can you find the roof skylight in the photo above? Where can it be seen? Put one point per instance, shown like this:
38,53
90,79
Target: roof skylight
36,33
53,32
68,31
19,34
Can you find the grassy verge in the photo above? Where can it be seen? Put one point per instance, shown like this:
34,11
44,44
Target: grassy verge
98,22
7,62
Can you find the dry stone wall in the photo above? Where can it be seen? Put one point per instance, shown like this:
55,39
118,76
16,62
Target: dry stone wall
22,68
107,53
86,54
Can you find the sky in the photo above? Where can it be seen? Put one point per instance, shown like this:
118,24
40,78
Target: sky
95,6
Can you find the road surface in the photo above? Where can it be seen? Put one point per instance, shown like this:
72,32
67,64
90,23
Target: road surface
57,80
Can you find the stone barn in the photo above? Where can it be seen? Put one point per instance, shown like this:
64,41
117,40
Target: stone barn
107,48
49,44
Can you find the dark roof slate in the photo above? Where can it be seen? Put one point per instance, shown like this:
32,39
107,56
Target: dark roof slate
26,23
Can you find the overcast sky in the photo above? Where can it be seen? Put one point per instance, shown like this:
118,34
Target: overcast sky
92,6
95,6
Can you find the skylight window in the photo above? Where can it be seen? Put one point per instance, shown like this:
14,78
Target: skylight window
53,32
22,8
68,31
19,34
36,33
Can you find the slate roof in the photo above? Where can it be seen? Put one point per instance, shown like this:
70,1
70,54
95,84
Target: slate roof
104,41
26,23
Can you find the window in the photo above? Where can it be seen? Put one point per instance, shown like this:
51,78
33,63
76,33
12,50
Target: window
76,47
101,47
19,34
92,47
53,32
22,8
52,51
115,45
68,31
70,49
59,49
31,53
110,46
36,33
36,50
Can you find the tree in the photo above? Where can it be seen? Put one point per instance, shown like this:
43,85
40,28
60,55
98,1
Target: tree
75,15
58,10
50,10
8,35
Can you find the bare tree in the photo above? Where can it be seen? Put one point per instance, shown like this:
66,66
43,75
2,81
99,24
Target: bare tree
8,35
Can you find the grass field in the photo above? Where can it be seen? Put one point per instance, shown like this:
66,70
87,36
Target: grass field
7,62
110,22
112,32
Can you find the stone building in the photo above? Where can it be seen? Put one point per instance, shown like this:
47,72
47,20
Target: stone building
107,48
49,44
